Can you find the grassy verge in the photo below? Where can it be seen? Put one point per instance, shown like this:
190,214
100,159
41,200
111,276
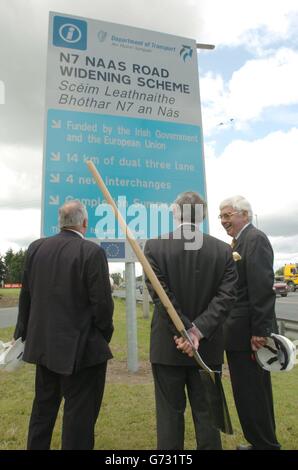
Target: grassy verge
9,297
127,417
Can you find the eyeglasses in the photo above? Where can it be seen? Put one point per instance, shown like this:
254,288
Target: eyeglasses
228,215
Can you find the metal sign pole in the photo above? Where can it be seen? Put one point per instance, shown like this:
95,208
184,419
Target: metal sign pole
131,317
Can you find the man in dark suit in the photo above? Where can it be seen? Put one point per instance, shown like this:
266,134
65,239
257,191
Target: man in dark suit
198,273
65,316
250,322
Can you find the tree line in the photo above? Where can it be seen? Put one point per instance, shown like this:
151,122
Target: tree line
12,266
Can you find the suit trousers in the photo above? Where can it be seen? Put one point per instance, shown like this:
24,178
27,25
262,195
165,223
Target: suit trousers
254,401
170,383
82,393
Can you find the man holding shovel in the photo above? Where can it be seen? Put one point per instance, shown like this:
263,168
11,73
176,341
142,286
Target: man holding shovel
198,274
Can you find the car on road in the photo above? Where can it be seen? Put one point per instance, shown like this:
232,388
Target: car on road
280,288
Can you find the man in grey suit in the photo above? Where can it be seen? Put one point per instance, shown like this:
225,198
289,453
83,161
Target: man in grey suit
250,322
65,317
198,274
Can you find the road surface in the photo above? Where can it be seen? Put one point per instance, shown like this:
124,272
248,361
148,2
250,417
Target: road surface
8,316
287,307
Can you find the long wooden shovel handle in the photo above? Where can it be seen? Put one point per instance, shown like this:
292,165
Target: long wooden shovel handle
146,265
139,253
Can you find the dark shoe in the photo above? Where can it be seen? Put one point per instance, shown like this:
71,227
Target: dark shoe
244,447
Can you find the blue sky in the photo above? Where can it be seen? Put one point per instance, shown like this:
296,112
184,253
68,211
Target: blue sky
251,77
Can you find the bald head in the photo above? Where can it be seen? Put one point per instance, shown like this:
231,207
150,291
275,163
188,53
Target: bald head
73,215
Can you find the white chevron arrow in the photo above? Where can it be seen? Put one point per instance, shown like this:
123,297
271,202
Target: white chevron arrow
54,200
55,156
56,124
55,178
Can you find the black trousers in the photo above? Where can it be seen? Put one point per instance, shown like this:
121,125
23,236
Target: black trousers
254,401
82,392
170,384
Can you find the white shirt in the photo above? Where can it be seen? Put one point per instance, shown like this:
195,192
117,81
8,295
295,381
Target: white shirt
243,228
75,231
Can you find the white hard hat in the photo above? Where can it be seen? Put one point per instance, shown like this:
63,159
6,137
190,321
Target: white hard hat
279,354
11,355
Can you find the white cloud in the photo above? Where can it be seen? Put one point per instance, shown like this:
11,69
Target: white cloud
262,83
18,228
285,250
20,176
230,22
288,246
258,170
261,171
213,93
258,85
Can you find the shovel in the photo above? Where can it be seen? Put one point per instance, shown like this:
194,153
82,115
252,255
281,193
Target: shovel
214,392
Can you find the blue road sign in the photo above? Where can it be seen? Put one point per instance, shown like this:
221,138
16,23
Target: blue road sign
128,100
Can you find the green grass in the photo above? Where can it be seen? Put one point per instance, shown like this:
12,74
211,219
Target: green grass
10,292
9,297
127,417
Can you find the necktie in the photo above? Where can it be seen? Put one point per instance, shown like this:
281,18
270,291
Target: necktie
234,241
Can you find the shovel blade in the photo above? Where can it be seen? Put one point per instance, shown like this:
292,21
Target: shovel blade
216,401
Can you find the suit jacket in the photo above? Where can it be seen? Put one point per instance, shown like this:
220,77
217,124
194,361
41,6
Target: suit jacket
201,285
66,307
254,311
